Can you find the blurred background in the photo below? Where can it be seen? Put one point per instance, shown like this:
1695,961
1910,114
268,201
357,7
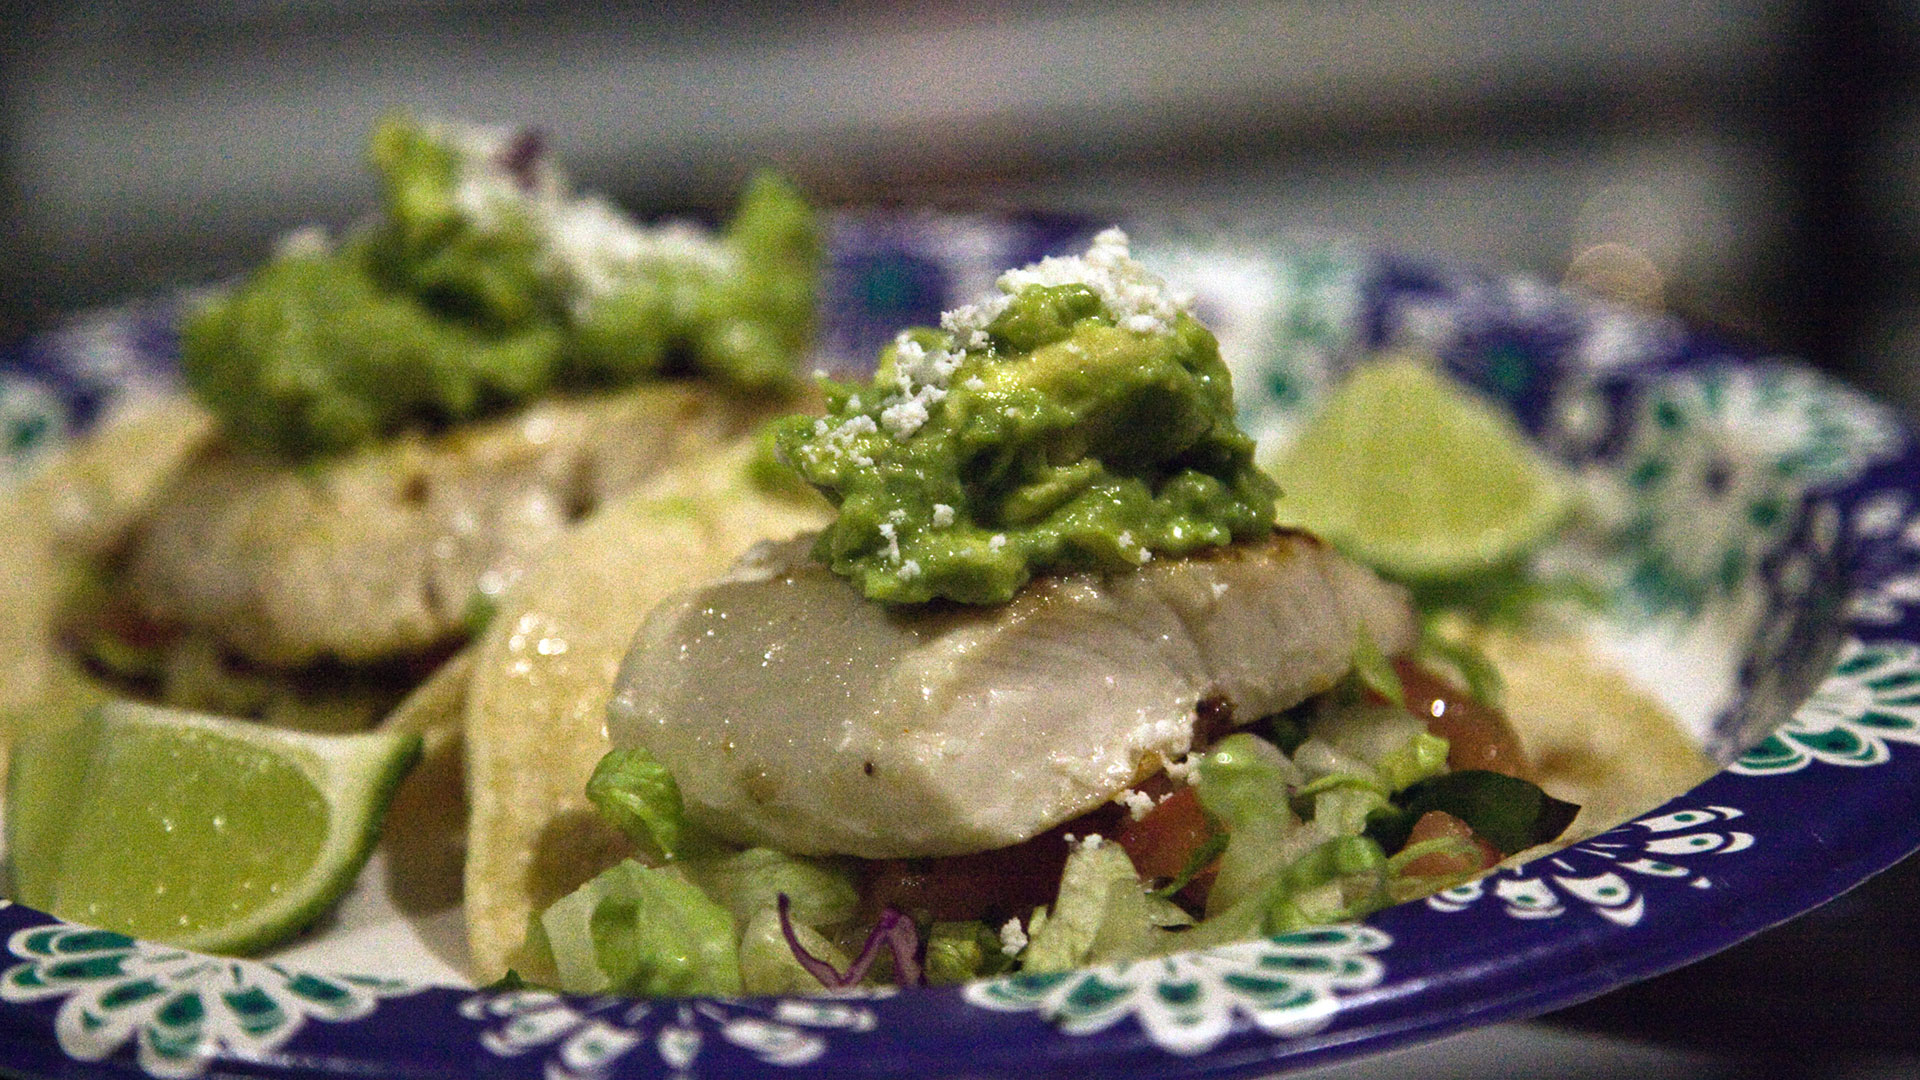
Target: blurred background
1760,161
1762,158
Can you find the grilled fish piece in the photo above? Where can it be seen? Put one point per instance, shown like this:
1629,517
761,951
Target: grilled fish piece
795,713
384,552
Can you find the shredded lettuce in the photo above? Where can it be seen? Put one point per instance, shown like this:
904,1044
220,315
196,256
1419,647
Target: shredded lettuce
1064,940
1368,733
1133,922
1452,650
1334,880
749,882
638,796
1298,840
1245,784
958,951
1375,670
644,931
635,928
769,965
892,931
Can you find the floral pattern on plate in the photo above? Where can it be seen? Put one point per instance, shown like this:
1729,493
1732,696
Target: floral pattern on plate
580,1039
1534,890
1720,459
1287,985
183,1011
1871,699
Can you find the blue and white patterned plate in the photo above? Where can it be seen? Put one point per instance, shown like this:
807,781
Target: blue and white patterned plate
1765,532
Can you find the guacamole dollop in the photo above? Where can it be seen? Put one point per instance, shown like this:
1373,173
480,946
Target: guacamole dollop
483,283
1080,419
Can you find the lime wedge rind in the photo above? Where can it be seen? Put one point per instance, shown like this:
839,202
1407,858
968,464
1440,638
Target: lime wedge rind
58,858
1415,475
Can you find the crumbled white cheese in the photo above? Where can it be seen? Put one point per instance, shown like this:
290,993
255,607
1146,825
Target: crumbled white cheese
1183,769
910,569
996,541
590,245
921,376
942,515
1136,802
597,249
903,418
1013,937
1137,300
892,536
839,440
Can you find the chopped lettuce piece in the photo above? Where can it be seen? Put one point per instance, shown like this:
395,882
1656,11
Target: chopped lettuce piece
1368,732
1317,758
1064,940
1238,780
644,931
958,951
1375,670
768,964
821,893
638,796
1133,921
1342,809
1423,756
1483,681
1244,783
1337,879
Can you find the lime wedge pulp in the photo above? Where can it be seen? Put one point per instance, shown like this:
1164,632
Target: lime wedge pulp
212,834
1414,475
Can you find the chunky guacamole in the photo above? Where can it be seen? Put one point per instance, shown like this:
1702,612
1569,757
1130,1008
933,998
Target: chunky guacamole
1080,419
484,283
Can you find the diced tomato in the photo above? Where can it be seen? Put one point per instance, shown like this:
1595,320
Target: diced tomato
1161,843
1164,842
1436,824
1478,735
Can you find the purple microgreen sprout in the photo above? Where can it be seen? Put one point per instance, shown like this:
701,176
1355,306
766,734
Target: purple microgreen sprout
893,929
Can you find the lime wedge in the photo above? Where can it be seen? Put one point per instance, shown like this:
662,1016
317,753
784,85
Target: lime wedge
1412,474
198,831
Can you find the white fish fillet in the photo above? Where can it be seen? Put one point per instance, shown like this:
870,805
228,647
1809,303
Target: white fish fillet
797,714
383,552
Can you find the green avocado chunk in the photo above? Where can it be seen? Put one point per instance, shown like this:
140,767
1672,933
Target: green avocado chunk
1082,419
483,284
